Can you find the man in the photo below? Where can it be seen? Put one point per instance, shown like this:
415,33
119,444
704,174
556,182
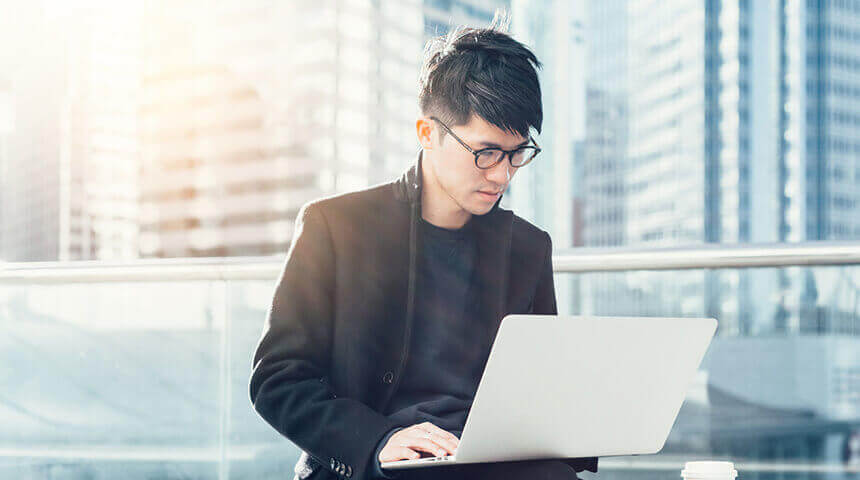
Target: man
390,297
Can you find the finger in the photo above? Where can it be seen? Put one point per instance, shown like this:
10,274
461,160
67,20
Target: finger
447,444
439,432
425,445
398,453
430,427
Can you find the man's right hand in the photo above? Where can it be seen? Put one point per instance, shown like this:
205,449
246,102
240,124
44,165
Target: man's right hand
421,437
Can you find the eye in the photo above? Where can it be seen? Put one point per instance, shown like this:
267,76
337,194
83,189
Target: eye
523,155
489,157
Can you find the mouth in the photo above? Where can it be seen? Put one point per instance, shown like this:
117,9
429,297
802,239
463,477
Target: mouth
490,195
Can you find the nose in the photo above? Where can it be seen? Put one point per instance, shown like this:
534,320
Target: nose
500,173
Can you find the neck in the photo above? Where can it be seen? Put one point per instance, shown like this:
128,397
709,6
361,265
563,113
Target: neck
437,207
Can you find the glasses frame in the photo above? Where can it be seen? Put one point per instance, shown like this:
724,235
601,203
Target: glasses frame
506,154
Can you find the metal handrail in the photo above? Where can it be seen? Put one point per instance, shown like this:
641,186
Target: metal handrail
578,260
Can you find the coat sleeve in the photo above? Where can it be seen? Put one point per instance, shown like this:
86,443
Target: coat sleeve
545,303
289,385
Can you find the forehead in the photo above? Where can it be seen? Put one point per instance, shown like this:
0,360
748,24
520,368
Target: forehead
480,133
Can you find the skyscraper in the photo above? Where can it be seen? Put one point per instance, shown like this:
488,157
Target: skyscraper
604,164
820,192
30,197
694,126
823,126
548,192
6,130
69,181
219,177
545,192
99,157
742,130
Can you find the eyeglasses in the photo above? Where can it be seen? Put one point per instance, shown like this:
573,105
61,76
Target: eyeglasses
490,157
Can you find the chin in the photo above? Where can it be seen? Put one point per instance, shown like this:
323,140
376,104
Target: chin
475,207
481,209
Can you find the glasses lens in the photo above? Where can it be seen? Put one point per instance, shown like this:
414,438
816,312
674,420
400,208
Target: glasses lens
489,157
523,156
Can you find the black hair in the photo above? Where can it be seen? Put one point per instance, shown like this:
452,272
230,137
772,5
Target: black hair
482,71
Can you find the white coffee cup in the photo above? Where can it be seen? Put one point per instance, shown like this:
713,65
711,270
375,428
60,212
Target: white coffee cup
709,471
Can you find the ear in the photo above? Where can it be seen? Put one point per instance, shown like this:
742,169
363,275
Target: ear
424,127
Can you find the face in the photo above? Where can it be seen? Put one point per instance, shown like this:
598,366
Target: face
452,168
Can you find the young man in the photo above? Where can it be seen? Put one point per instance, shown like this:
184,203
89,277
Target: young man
390,297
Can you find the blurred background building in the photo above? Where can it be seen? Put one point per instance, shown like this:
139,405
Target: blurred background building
70,169
262,107
35,79
193,129
217,179
206,114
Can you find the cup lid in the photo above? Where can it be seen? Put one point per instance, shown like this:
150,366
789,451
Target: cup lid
710,469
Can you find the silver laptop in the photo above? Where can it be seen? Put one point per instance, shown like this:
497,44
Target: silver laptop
579,386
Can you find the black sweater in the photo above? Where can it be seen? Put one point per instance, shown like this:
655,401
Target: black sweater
447,354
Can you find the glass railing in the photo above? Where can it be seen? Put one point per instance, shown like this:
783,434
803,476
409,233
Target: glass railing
140,370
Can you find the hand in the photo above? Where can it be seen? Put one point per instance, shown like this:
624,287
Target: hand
422,437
